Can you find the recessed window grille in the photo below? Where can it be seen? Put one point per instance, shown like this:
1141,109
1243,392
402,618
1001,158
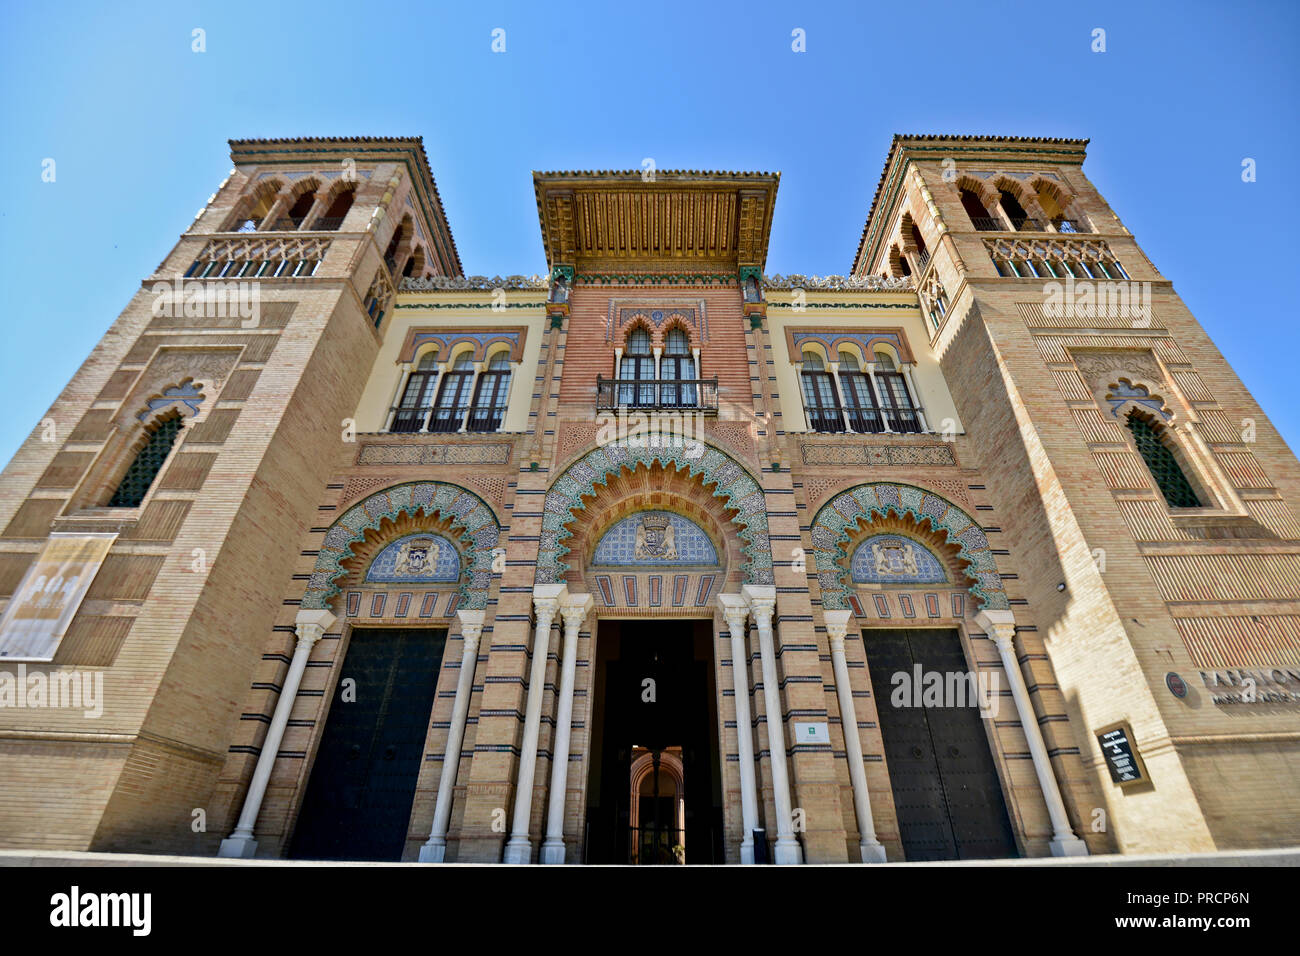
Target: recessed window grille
140,476
1161,463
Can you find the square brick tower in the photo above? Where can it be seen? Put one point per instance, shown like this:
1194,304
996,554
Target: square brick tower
1148,492
235,370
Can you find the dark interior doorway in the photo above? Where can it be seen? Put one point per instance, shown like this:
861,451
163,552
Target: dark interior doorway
358,800
654,700
941,770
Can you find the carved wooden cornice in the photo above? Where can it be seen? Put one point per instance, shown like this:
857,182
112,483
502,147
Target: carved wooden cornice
614,221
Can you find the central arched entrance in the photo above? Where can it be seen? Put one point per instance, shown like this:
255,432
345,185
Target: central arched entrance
654,535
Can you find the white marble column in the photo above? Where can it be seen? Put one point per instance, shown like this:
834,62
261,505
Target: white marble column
471,628
1000,626
762,600
546,601
736,610
310,625
574,611
837,623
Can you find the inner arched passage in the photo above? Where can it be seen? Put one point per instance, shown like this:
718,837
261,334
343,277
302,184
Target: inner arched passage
715,489
461,514
840,521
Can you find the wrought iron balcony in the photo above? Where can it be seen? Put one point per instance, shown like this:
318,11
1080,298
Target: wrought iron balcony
988,224
409,419
327,224
687,394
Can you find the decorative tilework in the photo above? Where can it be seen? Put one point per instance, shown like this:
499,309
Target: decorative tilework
655,586
1139,394
905,602
882,605
737,489
932,605
472,515
642,539
403,604
842,513
706,588
377,602
415,557
428,605
893,559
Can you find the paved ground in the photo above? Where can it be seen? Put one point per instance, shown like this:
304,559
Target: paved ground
1289,856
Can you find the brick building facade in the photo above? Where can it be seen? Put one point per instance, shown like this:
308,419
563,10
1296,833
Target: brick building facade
980,550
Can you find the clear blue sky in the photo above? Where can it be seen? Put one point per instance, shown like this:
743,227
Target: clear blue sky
137,124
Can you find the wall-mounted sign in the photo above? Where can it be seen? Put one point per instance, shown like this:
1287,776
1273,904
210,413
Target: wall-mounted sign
40,611
1120,752
811,732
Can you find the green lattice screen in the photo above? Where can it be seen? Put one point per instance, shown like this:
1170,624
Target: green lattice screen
144,469
1162,464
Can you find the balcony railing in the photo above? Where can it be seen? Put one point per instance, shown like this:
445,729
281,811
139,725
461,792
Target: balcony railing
327,224
1070,225
865,421
1027,225
409,419
988,224
694,394
286,224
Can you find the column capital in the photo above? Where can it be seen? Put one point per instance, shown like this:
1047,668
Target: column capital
735,609
311,625
1000,626
547,599
837,624
761,600
575,608
471,627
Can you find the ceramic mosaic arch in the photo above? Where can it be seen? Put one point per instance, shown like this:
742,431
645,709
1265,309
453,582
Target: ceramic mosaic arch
478,527
731,482
831,526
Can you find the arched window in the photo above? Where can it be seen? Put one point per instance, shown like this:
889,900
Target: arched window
677,371
922,254
900,411
637,371
1015,212
254,212
337,211
859,397
979,216
819,396
148,462
489,407
298,211
1160,461
394,250
453,396
417,397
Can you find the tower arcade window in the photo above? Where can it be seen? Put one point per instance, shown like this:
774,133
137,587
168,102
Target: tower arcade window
297,213
148,462
333,217
1016,212
1160,461
980,217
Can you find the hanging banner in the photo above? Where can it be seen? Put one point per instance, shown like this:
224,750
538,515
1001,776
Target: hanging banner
40,611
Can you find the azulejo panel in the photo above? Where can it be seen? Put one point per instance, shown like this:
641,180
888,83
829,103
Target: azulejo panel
893,559
729,481
654,538
415,558
475,522
835,519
